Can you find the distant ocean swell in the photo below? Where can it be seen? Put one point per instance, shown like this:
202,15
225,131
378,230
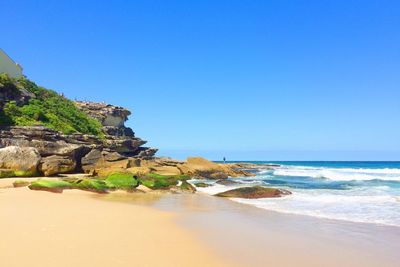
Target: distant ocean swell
351,191
340,174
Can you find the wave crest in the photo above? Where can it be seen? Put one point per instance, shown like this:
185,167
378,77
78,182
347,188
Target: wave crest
339,174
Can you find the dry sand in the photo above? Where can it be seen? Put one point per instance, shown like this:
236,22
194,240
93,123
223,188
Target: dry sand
74,229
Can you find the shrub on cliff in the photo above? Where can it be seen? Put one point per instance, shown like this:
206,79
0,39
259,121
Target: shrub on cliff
47,107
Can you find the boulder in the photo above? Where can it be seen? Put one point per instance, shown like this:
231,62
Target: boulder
105,162
254,192
202,168
24,160
53,165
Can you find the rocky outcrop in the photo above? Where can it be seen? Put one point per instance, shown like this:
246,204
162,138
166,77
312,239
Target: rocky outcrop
22,160
102,163
254,192
118,138
48,142
60,153
118,151
107,115
39,150
202,168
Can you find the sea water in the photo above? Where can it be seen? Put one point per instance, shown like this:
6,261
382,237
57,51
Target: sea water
366,192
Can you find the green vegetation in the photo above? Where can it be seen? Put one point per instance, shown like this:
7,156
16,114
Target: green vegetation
11,173
48,108
157,181
115,181
92,185
6,174
122,181
103,185
99,185
56,186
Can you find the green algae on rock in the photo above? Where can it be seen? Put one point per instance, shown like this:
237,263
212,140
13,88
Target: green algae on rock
55,186
92,185
254,192
124,181
157,181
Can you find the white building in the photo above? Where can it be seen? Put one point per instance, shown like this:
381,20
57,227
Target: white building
7,65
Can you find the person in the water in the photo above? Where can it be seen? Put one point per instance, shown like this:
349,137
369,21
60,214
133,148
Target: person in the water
224,160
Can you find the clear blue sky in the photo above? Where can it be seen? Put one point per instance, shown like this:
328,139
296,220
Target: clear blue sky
273,80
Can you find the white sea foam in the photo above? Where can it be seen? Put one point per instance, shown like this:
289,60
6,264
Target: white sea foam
377,204
339,174
381,209
365,202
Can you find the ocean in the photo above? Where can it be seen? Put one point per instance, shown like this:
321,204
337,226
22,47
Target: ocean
364,192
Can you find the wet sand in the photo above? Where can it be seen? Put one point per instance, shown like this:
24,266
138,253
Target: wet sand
247,236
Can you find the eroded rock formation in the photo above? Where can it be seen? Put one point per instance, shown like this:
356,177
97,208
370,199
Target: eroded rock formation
119,150
60,153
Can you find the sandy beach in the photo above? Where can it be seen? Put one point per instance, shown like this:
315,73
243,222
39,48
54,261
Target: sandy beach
77,228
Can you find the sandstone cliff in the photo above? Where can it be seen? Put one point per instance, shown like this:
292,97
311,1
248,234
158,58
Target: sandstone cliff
44,133
61,153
